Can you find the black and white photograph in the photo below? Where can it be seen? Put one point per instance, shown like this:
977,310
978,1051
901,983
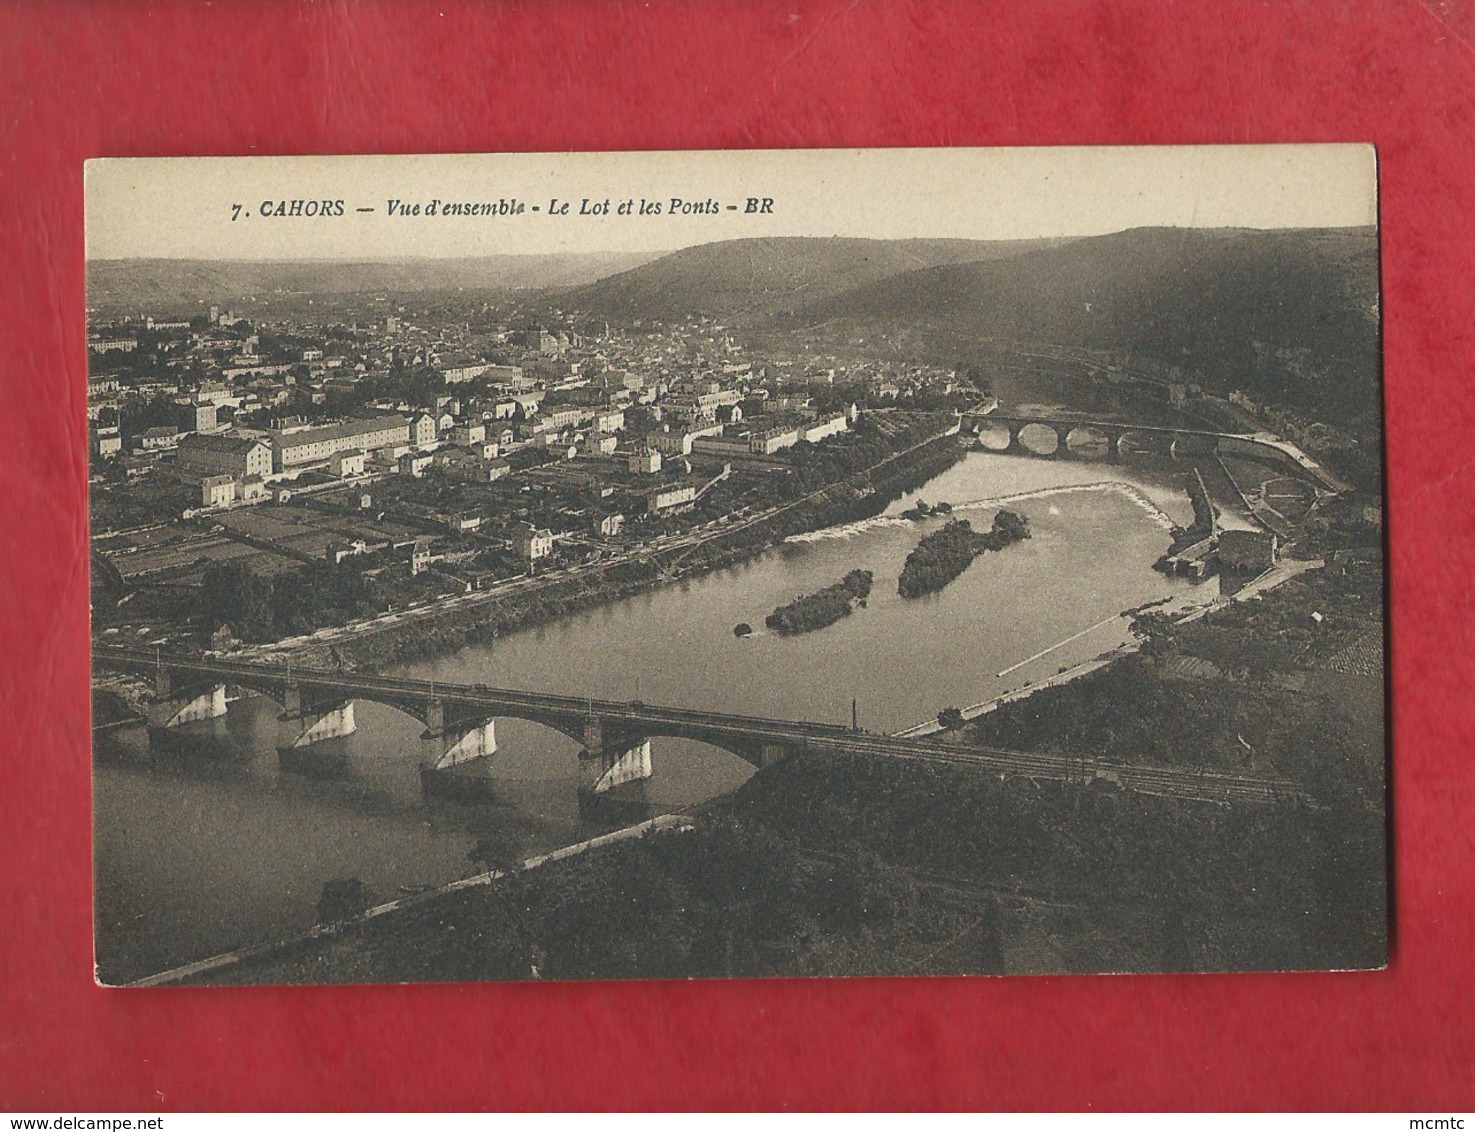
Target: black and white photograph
736,564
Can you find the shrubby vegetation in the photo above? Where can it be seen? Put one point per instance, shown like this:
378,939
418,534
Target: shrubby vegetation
817,610
342,900
945,553
261,608
826,865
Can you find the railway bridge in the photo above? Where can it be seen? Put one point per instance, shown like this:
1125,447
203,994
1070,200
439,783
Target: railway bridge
614,736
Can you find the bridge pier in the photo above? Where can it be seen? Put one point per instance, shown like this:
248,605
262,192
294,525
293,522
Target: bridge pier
603,769
770,753
188,706
317,722
330,723
448,747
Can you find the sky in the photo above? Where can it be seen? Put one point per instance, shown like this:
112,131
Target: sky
219,208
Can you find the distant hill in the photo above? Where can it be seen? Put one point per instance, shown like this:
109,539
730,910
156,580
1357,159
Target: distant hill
1269,310
751,280
166,286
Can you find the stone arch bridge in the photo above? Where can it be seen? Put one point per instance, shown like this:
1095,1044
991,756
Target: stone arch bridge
1071,435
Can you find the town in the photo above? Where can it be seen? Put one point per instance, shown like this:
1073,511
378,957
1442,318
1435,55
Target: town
781,558
410,464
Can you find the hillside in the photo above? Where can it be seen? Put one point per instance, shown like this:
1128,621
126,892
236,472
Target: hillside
751,280
164,286
1291,314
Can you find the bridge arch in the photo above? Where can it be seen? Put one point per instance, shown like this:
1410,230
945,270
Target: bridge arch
1088,442
1187,446
1141,442
1040,439
994,436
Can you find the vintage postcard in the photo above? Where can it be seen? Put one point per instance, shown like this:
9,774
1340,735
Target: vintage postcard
726,564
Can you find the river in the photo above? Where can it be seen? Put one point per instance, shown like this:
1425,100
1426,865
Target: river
213,845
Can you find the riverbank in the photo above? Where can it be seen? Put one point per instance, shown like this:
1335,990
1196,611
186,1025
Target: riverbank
437,632
1276,576
303,943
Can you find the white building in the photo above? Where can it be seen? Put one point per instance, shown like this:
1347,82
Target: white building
646,462
600,444
466,435
217,491
315,445
423,430
349,462
668,496
532,542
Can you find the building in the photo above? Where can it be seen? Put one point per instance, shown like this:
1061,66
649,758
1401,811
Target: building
349,462
220,454
828,427
608,526
314,445
423,430
1247,552
253,489
199,416
532,542
565,417
486,449
646,462
217,491
671,443
415,463
772,440
600,444
458,374
157,439
466,435
530,402
723,446
670,496
497,468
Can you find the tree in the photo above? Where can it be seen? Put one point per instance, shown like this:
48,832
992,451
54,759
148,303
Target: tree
950,718
1157,631
497,851
230,593
343,900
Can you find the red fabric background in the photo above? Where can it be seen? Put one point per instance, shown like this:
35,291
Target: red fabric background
97,79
